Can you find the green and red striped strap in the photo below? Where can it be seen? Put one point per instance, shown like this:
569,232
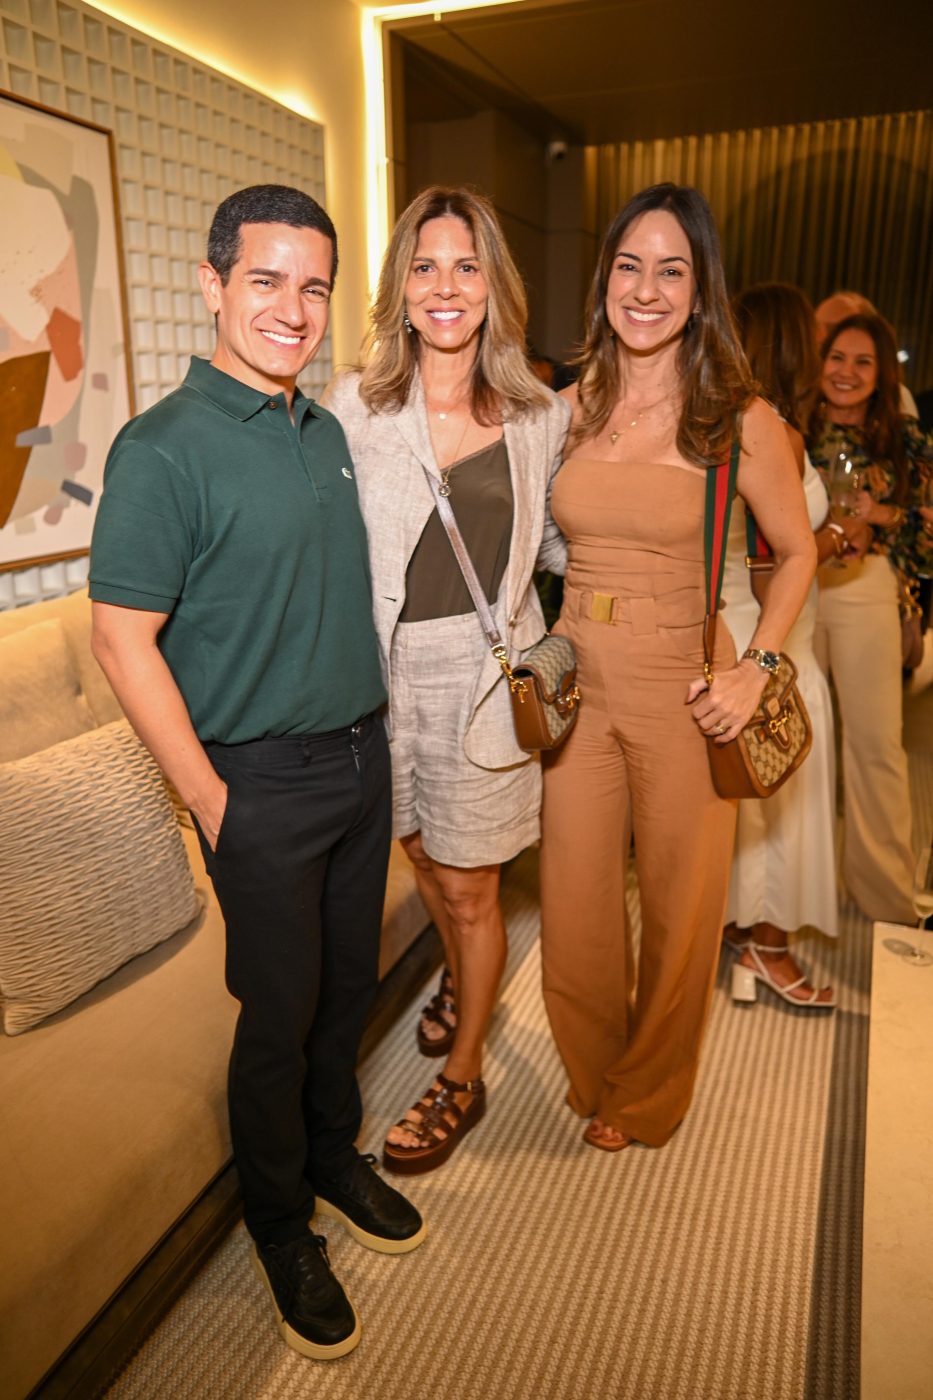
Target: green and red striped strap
720,490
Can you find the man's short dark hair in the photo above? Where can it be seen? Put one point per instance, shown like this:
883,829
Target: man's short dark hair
263,204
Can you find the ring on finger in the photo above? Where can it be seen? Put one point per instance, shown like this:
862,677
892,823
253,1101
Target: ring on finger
720,729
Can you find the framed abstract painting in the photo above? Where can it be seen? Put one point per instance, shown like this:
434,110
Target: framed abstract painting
65,382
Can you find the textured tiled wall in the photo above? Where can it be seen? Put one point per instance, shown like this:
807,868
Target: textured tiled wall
185,137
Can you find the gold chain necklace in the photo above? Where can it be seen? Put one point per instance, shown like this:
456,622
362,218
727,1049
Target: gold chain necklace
444,487
444,414
616,433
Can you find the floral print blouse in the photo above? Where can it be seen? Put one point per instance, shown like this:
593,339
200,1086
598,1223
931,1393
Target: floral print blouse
908,546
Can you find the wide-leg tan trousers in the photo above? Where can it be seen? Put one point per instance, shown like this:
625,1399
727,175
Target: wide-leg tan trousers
635,764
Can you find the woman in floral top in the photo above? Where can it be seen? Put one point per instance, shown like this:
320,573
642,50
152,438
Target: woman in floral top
858,632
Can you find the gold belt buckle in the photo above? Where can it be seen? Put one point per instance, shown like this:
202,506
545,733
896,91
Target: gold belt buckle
601,607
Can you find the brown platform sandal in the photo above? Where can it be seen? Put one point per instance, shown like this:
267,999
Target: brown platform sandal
441,1126
439,1010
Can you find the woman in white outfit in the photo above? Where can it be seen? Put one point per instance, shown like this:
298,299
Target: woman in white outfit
784,869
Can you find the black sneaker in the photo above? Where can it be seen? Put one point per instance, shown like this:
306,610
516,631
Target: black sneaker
315,1315
373,1211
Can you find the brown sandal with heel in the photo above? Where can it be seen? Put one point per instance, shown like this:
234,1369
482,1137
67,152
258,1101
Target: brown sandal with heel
594,1135
439,1011
441,1126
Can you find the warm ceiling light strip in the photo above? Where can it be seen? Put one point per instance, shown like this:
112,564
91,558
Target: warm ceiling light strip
377,159
130,17
373,18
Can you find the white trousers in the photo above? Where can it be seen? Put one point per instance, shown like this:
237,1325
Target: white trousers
858,642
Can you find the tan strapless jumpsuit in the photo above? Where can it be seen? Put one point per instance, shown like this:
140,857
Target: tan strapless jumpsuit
635,764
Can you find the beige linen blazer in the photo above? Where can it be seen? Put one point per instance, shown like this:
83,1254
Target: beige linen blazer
390,451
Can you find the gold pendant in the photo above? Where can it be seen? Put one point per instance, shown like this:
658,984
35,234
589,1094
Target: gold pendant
614,438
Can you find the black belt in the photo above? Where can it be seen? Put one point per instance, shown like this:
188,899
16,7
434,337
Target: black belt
304,741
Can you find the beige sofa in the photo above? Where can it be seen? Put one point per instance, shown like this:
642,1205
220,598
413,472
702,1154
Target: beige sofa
114,1117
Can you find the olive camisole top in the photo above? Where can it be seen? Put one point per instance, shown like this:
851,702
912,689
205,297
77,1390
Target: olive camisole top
481,499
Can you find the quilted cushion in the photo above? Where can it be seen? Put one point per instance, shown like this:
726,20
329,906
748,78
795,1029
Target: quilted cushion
92,869
41,701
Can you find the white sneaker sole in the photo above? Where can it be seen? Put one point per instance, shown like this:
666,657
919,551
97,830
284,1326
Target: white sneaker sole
377,1242
315,1350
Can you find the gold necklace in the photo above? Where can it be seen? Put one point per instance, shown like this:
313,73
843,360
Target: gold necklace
444,414
616,433
444,487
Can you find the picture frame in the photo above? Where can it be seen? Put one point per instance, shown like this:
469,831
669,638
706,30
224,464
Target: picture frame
66,384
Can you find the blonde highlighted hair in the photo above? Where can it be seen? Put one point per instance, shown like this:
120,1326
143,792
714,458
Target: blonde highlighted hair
503,384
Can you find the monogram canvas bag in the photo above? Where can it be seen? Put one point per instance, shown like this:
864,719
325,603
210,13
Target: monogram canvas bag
543,685
778,736
545,694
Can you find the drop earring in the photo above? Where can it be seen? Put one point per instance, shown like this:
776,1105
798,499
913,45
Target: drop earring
406,322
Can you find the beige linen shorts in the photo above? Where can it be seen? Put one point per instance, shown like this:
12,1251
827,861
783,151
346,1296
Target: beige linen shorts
467,815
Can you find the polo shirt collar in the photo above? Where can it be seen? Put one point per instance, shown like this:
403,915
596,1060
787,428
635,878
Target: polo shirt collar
238,399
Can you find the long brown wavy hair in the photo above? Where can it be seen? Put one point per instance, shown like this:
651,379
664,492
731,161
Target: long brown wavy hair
777,327
502,382
883,429
717,383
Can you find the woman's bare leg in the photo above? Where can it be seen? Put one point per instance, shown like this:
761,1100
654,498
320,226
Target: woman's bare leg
478,947
433,897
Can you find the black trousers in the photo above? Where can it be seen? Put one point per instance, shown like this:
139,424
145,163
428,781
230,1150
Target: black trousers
300,873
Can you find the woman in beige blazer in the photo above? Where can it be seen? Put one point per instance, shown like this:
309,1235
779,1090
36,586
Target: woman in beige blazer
446,389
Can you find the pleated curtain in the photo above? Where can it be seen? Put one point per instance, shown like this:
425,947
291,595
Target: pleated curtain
825,205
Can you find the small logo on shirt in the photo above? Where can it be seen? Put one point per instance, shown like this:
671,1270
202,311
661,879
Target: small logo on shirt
347,473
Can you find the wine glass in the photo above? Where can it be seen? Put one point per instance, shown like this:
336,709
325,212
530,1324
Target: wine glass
843,483
923,906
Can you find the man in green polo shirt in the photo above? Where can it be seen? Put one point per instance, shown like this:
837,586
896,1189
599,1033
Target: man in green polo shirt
232,615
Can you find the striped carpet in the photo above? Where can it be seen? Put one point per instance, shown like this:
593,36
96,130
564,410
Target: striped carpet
723,1267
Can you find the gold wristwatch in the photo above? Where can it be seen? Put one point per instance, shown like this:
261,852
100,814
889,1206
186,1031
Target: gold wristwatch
767,660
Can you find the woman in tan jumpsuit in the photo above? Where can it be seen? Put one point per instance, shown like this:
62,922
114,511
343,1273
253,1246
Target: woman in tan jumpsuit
662,386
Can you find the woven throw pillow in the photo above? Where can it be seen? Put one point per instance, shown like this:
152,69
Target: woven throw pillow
92,870
41,701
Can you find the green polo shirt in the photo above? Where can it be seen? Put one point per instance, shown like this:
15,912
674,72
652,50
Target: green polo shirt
245,528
